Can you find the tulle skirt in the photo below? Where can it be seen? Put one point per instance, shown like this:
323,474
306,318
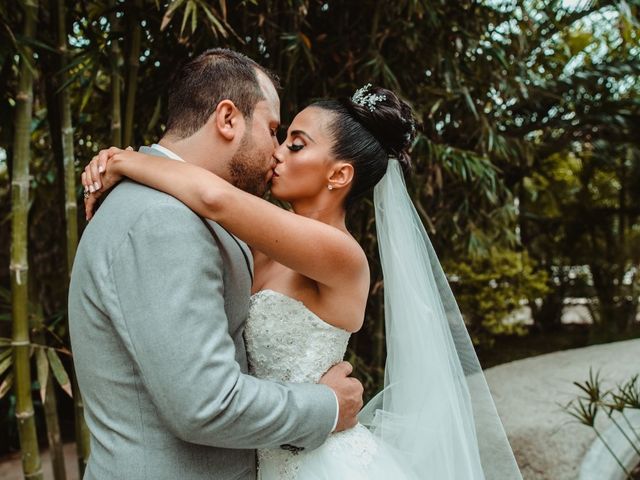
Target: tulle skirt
354,454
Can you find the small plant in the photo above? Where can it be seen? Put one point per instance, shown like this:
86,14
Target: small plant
594,399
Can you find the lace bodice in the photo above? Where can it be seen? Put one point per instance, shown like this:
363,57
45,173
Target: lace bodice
287,342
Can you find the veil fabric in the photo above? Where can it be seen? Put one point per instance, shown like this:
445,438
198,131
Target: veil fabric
436,410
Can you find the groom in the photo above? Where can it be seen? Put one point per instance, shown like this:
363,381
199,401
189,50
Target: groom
159,297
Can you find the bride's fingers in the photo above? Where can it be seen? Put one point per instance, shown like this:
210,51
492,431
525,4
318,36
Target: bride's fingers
95,174
104,155
87,179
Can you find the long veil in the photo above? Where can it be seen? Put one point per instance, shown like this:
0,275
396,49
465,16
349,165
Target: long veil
435,409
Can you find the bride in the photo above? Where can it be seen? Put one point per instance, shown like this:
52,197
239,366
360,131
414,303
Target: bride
435,418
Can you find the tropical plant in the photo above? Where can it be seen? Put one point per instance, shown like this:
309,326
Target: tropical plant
615,403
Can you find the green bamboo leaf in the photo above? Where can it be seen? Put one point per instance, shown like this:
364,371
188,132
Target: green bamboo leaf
5,386
185,16
223,9
194,20
42,367
6,364
166,19
59,372
216,26
88,92
434,108
469,100
5,353
30,41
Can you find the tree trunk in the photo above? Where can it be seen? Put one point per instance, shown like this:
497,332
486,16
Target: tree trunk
116,61
50,405
31,464
132,74
548,316
71,216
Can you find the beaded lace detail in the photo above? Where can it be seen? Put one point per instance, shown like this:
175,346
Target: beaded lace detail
287,342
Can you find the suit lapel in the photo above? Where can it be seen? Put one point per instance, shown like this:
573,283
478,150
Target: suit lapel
231,241
217,229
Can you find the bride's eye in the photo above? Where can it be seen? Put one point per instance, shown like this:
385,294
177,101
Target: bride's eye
295,147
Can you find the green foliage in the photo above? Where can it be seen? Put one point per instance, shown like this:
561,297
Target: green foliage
526,162
492,287
594,401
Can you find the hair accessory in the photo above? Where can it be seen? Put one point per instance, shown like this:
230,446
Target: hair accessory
368,100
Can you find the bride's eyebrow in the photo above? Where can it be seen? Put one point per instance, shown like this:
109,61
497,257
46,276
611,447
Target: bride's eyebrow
303,133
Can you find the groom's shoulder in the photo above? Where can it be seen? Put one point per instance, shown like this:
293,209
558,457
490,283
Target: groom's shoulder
136,199
131,205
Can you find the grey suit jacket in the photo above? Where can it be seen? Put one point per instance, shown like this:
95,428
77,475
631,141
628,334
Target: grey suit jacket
157,305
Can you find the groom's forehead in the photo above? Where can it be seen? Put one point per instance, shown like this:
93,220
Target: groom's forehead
268,90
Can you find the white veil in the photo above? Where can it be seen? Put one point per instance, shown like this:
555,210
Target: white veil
436,408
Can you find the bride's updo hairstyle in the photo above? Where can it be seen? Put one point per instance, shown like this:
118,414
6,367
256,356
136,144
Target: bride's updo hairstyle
367,129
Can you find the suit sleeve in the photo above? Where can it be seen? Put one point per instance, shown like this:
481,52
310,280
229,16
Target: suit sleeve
170,312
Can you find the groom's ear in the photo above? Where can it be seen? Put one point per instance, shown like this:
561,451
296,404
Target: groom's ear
228,119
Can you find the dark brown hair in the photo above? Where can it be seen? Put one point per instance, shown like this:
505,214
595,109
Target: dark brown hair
203,82
366,137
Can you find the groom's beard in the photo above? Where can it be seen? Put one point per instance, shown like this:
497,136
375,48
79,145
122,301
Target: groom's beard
246,168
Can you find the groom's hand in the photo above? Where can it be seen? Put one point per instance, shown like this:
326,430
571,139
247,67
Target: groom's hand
349,392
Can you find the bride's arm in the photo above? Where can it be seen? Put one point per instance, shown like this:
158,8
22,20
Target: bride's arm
310,247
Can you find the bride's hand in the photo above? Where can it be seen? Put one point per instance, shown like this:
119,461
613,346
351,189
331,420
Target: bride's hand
99,176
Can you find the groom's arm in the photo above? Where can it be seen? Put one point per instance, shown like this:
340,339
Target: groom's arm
170,310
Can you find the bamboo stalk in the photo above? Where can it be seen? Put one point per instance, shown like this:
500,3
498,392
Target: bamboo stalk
116,61
31,464
53,432
132,74
50,405
71,216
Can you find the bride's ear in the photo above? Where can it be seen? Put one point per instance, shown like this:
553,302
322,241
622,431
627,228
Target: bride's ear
341,175
227,119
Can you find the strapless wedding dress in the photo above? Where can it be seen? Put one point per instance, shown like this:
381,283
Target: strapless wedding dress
287,342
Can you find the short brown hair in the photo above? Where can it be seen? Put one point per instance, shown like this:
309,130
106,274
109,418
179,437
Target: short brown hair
203,82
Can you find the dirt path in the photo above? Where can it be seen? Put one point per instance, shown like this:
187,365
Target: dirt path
11,466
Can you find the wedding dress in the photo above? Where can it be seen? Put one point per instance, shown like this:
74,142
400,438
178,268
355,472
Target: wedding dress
435,418
286,342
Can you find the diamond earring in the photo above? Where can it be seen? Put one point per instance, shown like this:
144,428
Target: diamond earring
330,187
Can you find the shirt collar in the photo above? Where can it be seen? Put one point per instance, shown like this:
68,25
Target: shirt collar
167,152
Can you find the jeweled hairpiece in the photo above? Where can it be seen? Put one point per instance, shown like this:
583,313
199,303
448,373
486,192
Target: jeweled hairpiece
368,100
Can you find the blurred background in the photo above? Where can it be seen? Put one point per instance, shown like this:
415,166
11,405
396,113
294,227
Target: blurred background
526,168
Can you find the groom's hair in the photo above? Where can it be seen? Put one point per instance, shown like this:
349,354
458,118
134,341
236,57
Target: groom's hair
203,82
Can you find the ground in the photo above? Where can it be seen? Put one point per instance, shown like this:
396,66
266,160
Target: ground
529,393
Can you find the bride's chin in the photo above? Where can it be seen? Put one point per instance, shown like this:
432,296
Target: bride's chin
275,193
280,195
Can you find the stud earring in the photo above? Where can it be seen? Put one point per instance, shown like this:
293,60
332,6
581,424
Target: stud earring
330,187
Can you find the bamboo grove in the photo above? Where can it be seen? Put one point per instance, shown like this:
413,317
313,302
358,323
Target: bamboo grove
526,169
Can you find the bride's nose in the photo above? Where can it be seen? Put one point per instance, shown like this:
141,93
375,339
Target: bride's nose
280,152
